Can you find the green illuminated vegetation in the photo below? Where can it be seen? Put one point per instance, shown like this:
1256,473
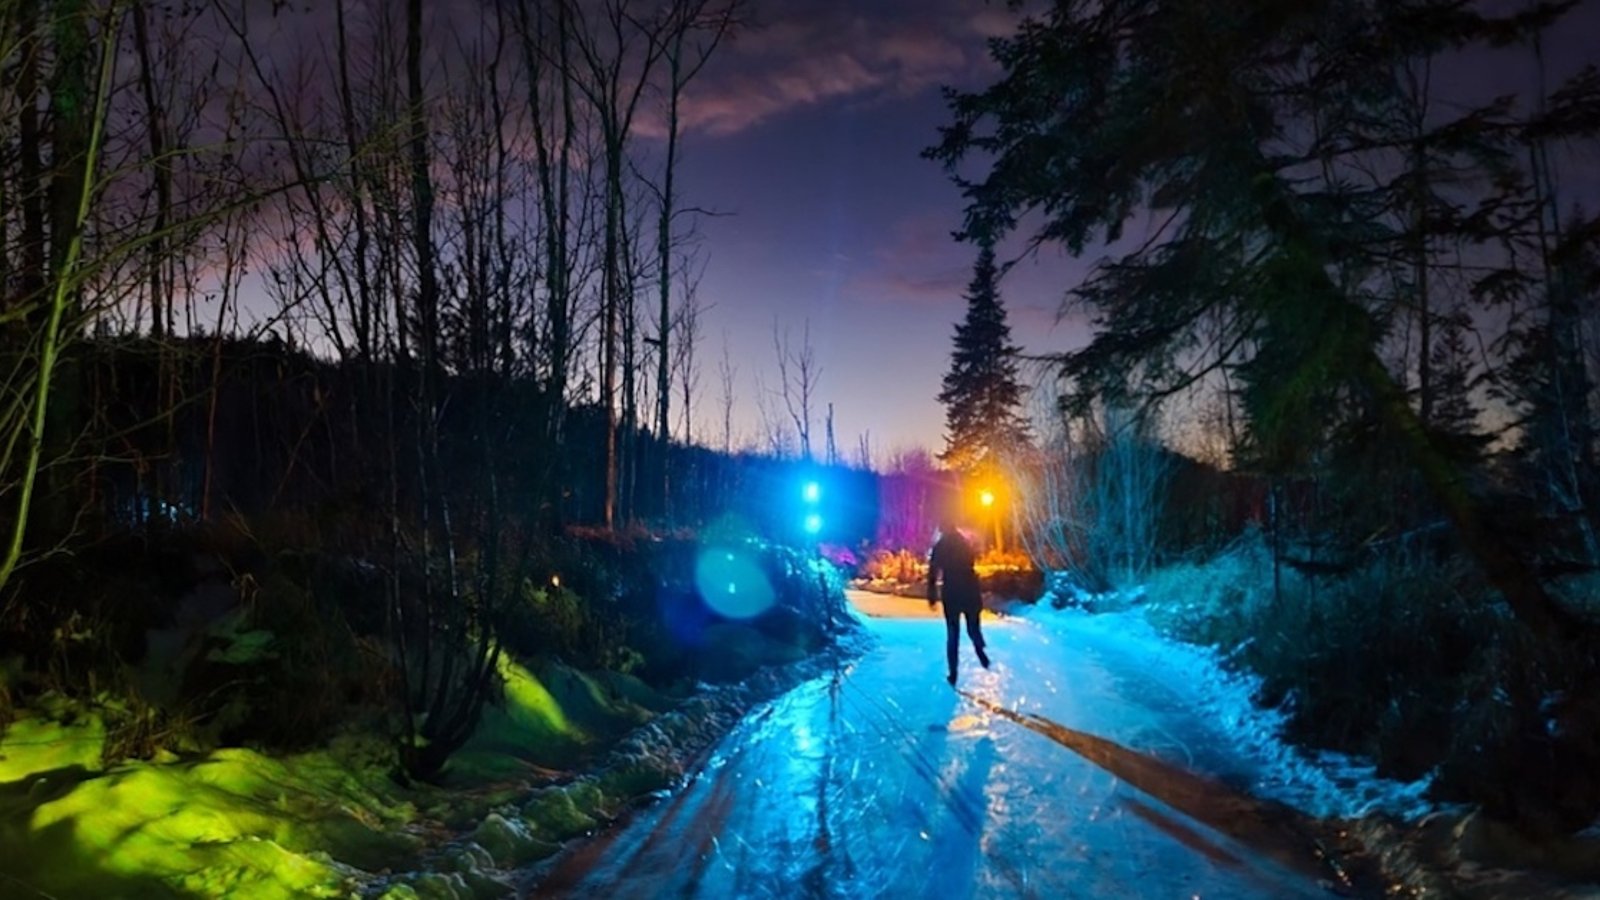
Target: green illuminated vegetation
232,822
236,822
245,755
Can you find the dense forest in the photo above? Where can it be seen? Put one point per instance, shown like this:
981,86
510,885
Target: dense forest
1366,286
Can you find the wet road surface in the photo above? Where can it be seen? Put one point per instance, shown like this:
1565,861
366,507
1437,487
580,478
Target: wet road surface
1065,771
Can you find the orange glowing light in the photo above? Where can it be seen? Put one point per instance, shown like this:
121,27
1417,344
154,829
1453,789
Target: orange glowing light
986,498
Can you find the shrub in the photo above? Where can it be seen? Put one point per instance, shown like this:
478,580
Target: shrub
1373,661
895,566
1408,659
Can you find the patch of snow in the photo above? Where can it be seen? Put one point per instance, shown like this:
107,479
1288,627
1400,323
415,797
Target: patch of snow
1320,783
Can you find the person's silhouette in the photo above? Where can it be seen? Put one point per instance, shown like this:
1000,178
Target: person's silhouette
953,556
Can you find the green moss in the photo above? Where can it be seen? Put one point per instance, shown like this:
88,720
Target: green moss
561,812
549,719
35,744
509,841
235,823
529,704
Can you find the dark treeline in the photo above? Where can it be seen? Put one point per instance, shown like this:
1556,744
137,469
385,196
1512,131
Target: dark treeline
303,450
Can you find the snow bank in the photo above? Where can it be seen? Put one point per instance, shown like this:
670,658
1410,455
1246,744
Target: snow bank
1319,783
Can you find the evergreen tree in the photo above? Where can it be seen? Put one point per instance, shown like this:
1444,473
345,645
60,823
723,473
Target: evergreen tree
1453,416
981,395
1247,129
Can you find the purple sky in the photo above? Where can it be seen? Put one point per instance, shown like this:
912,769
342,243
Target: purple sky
807,129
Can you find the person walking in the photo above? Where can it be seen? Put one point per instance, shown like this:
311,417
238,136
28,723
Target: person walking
953,556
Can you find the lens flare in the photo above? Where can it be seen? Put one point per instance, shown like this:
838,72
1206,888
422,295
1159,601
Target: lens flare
731,584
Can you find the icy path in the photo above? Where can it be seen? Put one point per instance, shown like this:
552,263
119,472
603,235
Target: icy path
1066,771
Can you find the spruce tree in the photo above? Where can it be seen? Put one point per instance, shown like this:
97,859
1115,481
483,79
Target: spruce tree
1453,416
982,398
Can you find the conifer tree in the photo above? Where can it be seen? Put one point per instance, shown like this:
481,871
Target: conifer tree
981,395
1453,415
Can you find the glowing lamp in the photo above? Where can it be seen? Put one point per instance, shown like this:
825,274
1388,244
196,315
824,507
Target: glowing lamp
986,498
812,492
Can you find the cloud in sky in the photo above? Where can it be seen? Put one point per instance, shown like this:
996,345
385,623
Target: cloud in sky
797,55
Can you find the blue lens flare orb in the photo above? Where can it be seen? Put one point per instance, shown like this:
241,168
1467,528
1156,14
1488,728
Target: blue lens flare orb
731,584
812,492
813,523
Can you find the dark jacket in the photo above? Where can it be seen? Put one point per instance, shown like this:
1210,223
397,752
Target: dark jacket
953,556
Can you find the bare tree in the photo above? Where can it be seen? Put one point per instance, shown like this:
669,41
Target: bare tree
707,21
619,53
32,405
726,372
685,363
1092,498
798,373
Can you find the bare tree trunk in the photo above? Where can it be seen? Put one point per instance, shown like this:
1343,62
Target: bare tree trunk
798,374
628,462
59,315
610,296
156,129
726,371
30,140
688,342
365,316
553,157
664,251
71,115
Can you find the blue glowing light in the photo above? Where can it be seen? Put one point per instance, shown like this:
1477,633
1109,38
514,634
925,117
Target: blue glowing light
813,523
732,584
812,492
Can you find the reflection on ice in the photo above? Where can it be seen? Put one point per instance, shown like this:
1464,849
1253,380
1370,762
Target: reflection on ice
878,780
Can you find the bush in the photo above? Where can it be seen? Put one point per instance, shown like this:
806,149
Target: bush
1409,660
895,567
1376,661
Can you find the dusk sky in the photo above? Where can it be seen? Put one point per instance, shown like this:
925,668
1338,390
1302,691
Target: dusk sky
807,130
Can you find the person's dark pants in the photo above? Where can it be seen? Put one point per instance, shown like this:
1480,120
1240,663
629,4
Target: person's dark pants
952,623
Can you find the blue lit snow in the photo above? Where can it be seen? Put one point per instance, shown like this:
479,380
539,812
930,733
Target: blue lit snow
1094,760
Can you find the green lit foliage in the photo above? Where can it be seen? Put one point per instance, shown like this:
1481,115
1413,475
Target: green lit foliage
234,823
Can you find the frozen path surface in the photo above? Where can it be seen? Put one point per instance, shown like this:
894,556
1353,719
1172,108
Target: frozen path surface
1070,769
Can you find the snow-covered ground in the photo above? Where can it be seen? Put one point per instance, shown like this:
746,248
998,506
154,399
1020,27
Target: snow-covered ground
1236,736
1095,759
